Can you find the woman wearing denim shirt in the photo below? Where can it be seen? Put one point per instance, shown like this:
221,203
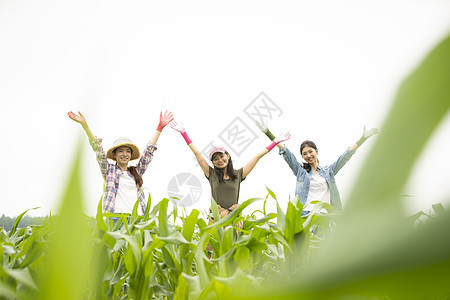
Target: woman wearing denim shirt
123,183
316,182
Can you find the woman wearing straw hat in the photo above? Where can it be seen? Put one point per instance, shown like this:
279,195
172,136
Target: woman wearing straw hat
123,183
316,182
223,178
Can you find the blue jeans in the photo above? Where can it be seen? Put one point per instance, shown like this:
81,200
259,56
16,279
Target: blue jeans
116,219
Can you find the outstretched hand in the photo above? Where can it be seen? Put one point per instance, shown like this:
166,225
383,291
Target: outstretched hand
367,133
283,137
77,118
164,120
177,126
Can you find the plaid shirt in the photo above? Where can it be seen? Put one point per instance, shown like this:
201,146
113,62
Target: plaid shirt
111,174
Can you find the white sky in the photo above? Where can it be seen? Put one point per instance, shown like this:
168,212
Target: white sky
330,66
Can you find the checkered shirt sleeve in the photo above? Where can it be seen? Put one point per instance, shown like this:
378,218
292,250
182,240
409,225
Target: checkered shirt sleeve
100,155
146,158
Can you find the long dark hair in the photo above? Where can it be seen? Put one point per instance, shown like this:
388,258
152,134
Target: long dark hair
230,171
137,177
311,144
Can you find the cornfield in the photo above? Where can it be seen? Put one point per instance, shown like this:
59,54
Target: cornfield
369,251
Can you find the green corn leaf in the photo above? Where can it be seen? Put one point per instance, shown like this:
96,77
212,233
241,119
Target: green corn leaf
134,212
290,222
147,208
193,282
99,216
68,253
22,276
17,221
201,224
174,238
438,208
214,209
264,219
200,259
272,194
148,259
174,213
228,219
163,228
373,253
6,292
35,252
130,260
421,103
8,250
255,245
189,225
168,258
281,217
241,257
182,289
226,243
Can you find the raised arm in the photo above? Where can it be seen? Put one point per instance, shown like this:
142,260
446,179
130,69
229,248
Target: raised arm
252,163
200,158
80,119
147,154
366,134
290,158
163,121
96,143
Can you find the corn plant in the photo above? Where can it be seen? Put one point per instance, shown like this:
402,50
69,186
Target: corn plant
372,250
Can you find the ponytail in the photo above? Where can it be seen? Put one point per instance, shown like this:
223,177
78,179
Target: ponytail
307,167
136,175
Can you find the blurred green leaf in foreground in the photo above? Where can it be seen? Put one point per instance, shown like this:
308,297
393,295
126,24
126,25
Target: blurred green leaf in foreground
63,276
373,253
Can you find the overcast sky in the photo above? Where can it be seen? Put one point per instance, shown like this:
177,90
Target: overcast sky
321,69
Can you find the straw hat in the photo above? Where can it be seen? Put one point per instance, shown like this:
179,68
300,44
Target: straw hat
124,142
215,150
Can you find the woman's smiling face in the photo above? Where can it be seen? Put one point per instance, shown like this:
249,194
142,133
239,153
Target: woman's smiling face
122,155
309,154
220,160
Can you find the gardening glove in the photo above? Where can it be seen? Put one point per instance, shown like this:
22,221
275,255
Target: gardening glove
283,137
164,120
366,134
180,128
77,118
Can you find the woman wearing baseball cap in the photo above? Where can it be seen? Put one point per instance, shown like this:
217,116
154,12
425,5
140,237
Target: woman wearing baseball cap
123,183
223,178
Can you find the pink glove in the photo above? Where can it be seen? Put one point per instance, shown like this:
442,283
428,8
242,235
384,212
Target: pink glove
283,137
180,129
164,120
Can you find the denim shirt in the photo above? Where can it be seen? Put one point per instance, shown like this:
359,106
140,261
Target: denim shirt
328,172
